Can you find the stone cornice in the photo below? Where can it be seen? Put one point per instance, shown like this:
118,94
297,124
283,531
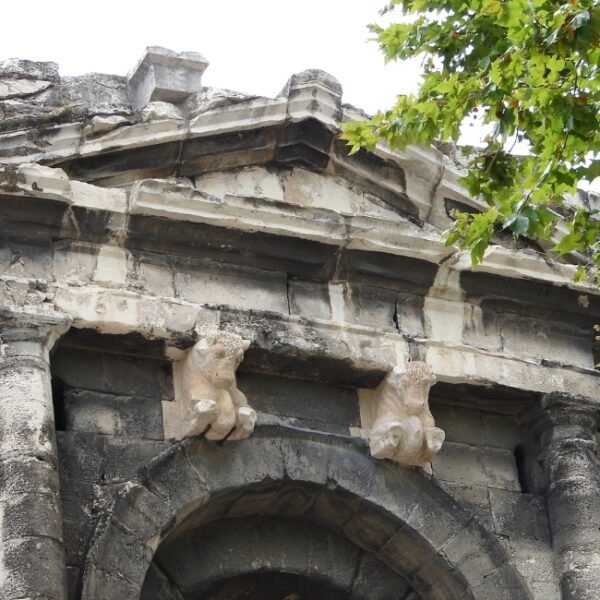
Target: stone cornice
314,349
181,202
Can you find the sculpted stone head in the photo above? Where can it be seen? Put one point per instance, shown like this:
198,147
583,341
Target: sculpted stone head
414,381
218,356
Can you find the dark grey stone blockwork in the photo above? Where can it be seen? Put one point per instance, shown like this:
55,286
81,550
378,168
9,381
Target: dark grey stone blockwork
92,466
230,548
111,394
196,482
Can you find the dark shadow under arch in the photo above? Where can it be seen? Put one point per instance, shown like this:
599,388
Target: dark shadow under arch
397,514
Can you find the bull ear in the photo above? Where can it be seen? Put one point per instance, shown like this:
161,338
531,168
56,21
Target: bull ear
245,345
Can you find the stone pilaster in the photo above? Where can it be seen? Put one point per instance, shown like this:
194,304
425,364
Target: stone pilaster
32,562
570,459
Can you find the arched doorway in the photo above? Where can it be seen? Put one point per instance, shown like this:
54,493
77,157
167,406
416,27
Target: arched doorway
264,557
295,511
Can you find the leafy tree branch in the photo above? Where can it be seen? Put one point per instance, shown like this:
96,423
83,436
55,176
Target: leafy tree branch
530,70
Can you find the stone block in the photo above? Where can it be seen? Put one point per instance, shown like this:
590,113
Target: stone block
108,414
29,515
123,457
101,585
301,460
534,560
158,587
398,493
519,516
29,567
115,374
531,337
503,432
123,553
404,553
32,259
314,92
79,520
474,498
333,509
437,518
409,317
502,584
223,468
461,425
481,328
237,287
307,299
74,577
500,468
374,581
370,530
376,307
141,511
92,412
155,277
175,477
545,590
27,475
471,465
74,262
474,554
247,182
80,455
293,501
163,75
460,463
29,69
254,502
21,88
351,471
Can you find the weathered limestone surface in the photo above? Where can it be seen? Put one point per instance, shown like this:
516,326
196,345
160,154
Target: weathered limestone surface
164,76
570,455
32,561
170,223
403,428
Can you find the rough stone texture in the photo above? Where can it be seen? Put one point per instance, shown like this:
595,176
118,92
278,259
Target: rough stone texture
32,560
164,76
207,400
203,209
570,456
403,428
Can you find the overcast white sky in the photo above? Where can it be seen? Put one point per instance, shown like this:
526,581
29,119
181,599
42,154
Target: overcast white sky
253,46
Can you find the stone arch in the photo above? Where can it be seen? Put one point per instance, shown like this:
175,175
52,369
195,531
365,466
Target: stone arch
398,514
229,554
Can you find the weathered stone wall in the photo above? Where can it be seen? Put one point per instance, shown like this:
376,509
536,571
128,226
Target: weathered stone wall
110,427
145,213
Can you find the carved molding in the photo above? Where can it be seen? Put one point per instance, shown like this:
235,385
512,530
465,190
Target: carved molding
207,400
402,427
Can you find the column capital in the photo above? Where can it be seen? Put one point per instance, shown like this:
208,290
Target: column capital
566,416
31,324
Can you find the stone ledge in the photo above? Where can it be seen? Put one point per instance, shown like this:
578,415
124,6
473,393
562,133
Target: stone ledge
361,355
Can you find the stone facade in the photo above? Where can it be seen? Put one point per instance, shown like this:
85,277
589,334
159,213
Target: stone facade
178,262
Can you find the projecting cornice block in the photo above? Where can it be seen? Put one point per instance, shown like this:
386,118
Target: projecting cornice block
163,75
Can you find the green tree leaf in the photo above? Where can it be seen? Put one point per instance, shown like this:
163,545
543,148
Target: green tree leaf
532,68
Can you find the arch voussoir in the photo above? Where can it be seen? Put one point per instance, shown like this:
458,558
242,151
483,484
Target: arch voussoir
398,514
476,556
